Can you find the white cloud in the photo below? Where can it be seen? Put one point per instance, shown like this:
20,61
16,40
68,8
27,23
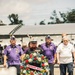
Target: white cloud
31,11
14,7
38,1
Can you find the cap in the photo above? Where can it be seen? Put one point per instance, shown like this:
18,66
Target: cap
48,37
33,42
12,38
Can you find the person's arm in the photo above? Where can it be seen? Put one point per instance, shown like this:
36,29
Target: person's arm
22,55
58,61
5,57
54,59
73,52
54,55
58,54
74,56
5,60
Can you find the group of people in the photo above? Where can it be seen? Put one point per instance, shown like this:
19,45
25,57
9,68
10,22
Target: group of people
63,54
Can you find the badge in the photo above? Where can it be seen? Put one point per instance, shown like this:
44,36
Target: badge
10,49
37,51
17,51
62,48
51,48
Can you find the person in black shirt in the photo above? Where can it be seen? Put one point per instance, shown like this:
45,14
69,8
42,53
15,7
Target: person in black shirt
34,49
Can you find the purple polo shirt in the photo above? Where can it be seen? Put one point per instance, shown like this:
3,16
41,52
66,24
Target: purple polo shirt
13,54
49,51
25,50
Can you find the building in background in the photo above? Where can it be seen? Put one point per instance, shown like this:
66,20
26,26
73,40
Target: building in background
27,33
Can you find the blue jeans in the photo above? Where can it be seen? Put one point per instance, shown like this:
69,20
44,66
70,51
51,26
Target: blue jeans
51,69
68,67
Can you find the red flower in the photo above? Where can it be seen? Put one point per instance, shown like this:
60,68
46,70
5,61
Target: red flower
35,58
26,61
43,65
31,55
21,67
39,74
42,57
27,68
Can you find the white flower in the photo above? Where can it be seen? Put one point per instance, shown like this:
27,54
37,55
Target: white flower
39,59
24,71
47,70
46,63
30,60
34,54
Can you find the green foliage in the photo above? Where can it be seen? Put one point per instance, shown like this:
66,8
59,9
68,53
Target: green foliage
39,60
55,19
42,22
68,17
14,19
71,16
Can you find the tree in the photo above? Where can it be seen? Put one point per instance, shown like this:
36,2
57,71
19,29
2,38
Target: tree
55,19
68,17
63,16
42,22
71,16
14,19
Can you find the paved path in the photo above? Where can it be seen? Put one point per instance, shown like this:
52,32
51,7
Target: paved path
56,70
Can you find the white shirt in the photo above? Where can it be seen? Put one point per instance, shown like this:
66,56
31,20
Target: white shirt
65,53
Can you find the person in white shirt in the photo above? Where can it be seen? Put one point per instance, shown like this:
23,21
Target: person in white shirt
64,56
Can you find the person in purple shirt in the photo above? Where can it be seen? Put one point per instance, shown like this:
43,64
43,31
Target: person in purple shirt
49,50
12,55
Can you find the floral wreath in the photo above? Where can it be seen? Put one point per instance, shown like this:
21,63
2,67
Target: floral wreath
26,68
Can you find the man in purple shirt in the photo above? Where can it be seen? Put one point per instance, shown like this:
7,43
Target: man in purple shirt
49,50
12,55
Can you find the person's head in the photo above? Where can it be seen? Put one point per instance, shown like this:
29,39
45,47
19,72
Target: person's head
48,39
33,44
5,46
64,34
24,45
65,40
12,40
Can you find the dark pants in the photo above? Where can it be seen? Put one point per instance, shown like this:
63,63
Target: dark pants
68,67
17,67
51,69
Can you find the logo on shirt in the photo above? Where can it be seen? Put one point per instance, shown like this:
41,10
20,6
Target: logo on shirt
9,49
17,51
51,47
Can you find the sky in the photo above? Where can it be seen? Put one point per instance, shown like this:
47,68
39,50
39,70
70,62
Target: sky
33,11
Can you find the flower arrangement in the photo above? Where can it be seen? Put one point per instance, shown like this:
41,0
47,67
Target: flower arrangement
27,67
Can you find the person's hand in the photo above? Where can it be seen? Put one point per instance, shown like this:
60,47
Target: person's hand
58,62
5,65
54,61
74,62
